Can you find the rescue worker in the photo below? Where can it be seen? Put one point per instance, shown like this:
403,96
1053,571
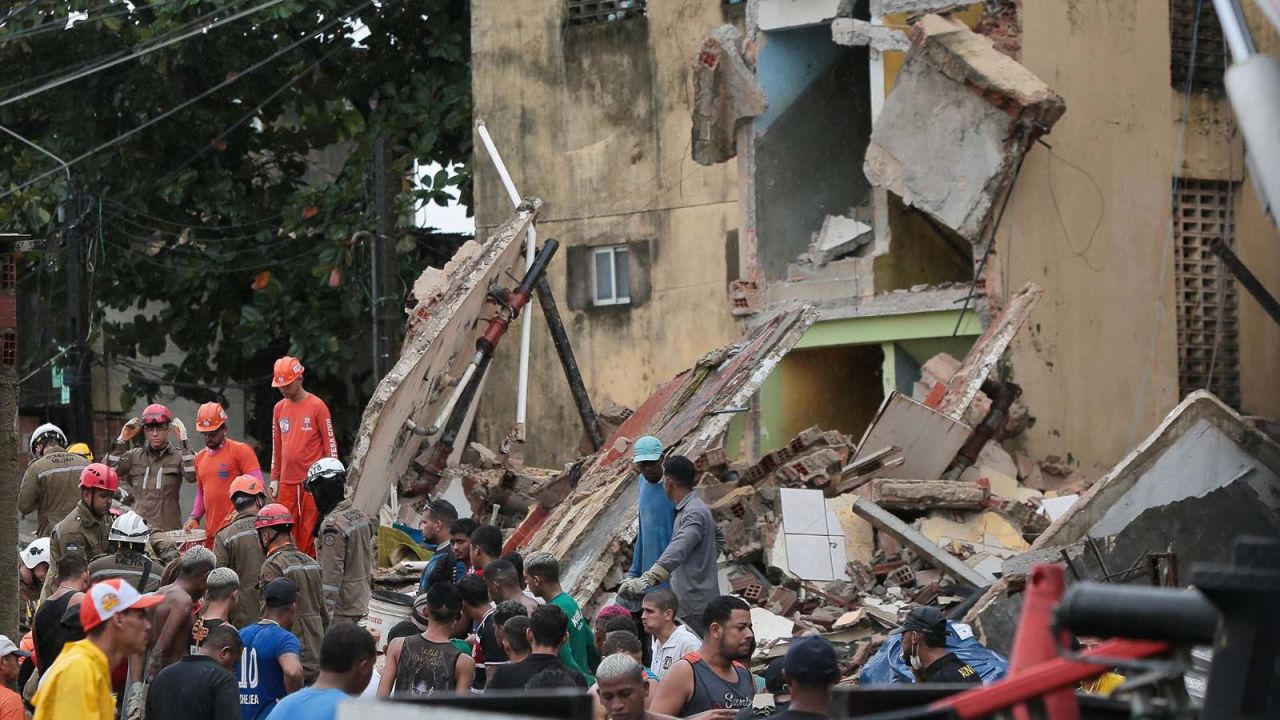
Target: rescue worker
301,434
85,529
32,574
153,474
236,546
221,461
129,539
283,559
347,545
49,486
82,450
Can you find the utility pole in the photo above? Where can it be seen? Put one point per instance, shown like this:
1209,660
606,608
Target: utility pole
385,265
79,377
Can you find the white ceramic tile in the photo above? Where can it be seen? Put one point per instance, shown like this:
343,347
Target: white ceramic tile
810,557
804,512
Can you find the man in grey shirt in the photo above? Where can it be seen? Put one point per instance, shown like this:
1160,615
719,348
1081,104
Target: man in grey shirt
690,558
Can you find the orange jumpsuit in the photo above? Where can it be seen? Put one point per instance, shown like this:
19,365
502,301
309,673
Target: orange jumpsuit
301,433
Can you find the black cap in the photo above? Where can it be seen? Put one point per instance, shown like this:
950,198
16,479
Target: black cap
927,620
773,680
811,660
280,592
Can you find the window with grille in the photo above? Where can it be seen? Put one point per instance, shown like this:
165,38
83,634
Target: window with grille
582,12
9,348
1194,22
1208,339
611,276
8,273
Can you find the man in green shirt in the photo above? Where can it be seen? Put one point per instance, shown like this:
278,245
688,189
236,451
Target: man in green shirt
542,575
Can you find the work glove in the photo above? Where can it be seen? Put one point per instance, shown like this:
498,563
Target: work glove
192,524
273,487
635,587
130,430
177,428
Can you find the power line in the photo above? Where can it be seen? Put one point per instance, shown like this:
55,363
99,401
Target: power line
134,55
187,103
93,16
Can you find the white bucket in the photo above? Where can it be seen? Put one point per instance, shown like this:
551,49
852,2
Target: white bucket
386,610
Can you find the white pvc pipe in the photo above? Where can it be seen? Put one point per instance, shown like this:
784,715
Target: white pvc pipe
526,324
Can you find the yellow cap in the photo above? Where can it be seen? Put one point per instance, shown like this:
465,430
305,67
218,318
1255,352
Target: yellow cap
82,450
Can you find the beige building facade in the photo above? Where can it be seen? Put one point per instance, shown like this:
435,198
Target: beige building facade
660,254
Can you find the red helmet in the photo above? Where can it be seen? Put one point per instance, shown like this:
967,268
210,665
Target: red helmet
97,476
210,417
273,515
156,414
247,484
287,369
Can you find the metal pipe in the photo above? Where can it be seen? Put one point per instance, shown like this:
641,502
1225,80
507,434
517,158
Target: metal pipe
559,338
526,327
443,416
1234,29
1138,612
1246,278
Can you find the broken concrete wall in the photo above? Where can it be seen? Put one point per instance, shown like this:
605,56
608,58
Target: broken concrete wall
959,117
726,94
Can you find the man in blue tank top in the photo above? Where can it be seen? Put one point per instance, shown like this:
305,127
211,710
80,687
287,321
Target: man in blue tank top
714,677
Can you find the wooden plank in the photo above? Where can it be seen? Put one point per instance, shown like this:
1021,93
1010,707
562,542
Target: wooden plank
986,352
924,547
440,343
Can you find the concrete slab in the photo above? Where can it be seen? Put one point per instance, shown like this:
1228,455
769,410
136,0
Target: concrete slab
726,94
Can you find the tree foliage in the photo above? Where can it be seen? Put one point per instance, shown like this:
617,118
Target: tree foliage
239,228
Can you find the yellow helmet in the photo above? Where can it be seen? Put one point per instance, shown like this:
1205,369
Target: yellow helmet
82,450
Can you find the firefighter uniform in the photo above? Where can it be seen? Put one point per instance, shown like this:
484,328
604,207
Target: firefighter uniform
313,618
80,531
236,546
130,566
51,488
346,549
154,479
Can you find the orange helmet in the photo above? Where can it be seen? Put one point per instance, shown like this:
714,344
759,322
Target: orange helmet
156,414
247,484
273,515
97,476
210,417
287,370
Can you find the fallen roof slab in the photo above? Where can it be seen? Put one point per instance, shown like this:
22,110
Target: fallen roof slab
987,350
591,529
440,345
951,132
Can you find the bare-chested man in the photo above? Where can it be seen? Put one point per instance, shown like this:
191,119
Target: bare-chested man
173,618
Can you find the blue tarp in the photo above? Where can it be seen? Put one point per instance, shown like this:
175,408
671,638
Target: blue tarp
887,666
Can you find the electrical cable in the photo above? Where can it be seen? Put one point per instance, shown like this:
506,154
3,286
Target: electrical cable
134,55
187,103
94,15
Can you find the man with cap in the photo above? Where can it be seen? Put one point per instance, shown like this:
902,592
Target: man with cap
924,647
301,434
809,670
284,559
78,684
272,664
153,474
49,484
129,539
348,545
657,512
32,573
11,657
775,697
236,546
86,529
218,464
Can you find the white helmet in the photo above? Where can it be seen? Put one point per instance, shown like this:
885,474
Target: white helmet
324,468
44,433
129,528
36,552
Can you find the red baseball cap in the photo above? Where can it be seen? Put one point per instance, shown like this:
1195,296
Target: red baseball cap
110,598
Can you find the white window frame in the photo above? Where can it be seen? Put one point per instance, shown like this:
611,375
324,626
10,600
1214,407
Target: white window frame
619,298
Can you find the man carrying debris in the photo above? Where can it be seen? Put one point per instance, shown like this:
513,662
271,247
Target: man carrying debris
49,484
714,678
236,546
218,465
671,640
348,542
284,560
153,474
924,647
301,434
690,558
657,512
